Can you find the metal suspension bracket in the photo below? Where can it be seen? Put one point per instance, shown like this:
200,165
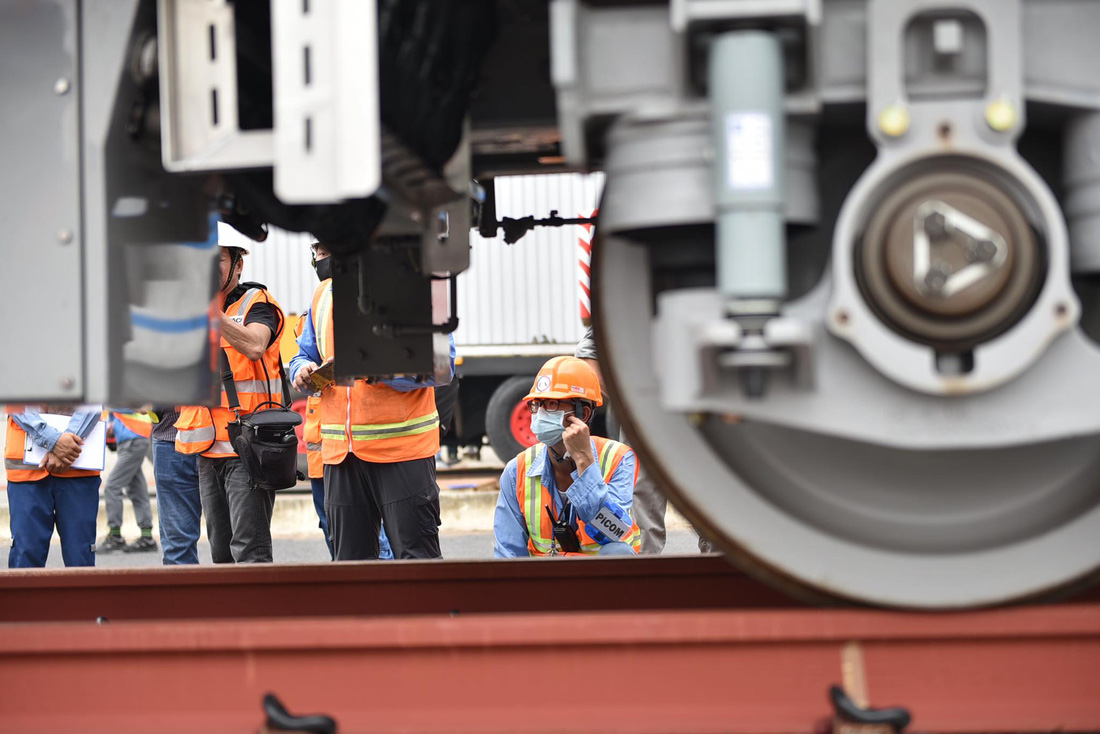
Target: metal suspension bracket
951,264
743,333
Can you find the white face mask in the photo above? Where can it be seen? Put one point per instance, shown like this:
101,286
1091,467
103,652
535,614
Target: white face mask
548,426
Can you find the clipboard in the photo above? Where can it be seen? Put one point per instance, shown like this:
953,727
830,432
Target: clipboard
93,455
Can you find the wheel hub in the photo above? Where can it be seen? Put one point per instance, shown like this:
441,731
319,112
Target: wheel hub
949,260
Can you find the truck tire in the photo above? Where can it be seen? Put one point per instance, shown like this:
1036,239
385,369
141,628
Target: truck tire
507,421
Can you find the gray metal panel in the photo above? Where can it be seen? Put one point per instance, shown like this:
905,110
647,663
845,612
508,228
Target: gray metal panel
527,292
40,272
1060,51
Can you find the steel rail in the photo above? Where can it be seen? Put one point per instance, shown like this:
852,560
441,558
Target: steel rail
381,588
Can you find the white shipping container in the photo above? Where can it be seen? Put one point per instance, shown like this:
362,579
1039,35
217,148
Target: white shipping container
526,293
281,262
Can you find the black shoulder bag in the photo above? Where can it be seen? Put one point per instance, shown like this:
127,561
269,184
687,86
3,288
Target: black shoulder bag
264,439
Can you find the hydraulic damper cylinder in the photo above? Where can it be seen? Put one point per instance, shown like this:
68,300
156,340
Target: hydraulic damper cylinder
746,96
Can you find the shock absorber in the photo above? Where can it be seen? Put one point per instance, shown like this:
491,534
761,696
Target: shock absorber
748,133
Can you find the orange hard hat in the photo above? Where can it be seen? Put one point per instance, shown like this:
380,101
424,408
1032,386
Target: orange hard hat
566,378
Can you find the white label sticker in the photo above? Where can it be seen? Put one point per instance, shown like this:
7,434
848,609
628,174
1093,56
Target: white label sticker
609,524
749,151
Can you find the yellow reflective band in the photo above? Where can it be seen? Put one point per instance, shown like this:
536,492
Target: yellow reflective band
533,511
362,435
325,307
423,424
333,431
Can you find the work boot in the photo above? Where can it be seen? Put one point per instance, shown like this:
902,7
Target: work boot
144,544
111,543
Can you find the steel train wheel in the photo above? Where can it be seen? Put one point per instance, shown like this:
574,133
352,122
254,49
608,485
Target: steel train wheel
829,519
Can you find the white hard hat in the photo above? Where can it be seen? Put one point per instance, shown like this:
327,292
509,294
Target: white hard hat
229,237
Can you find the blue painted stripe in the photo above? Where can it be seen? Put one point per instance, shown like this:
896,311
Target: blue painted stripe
170,326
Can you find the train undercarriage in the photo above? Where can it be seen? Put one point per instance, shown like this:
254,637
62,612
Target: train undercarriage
845,285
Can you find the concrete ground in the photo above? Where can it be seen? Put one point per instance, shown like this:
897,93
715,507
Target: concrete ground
455,546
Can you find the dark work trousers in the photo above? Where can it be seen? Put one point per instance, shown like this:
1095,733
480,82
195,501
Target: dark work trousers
238,516
360,495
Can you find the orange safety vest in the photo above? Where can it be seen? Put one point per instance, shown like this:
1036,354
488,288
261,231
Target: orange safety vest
14,449
533,496
311,432
205,431
371,420
139,423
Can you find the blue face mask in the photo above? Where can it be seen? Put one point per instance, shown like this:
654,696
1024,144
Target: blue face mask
548,426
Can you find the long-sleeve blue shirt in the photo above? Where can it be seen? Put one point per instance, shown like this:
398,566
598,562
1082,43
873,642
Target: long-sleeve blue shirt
587,493
30,420
309,352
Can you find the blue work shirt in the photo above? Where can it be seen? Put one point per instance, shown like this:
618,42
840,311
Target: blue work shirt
586,494
308,352
30,420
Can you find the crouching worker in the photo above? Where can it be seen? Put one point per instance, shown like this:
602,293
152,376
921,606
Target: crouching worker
570,494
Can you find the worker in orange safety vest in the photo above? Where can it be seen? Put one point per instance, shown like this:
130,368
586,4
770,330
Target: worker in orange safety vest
50,493
311,431
570,494
378,446
238,515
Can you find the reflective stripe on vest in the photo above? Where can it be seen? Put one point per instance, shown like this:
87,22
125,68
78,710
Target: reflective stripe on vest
533,497
263,387
205,434
322,319
139,423
220,449
204,430
377,431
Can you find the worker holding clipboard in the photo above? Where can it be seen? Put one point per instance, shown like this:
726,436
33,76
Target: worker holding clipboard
53,461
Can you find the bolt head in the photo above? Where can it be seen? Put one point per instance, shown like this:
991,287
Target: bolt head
61,86
67,383
1000,115
980,251
894,121
935,225
936,278
64,236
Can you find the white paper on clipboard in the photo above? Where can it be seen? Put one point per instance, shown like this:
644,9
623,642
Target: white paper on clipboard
93,454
